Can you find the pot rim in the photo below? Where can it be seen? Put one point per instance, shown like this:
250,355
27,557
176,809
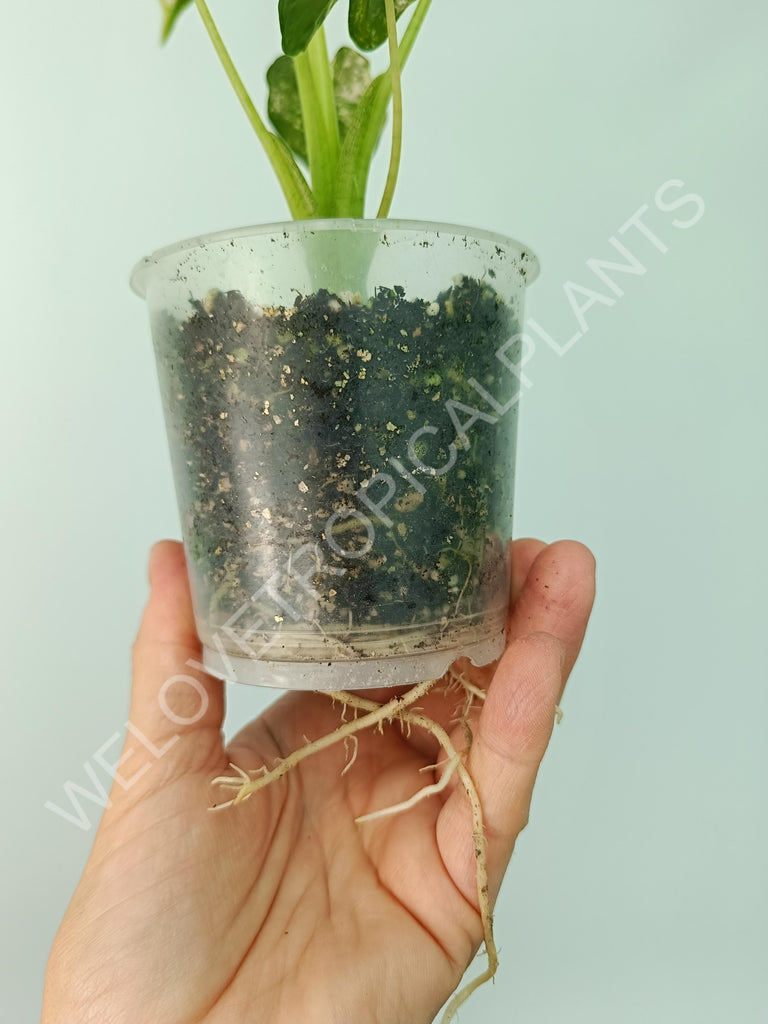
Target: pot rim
140,272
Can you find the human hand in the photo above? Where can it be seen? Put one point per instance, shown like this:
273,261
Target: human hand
283,909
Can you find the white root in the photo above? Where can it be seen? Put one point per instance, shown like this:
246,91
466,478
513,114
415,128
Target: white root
400,707
474,690
349,763
461,681
247,786
423,793
480,844
227,782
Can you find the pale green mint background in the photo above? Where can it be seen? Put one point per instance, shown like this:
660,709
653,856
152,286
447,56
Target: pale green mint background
640,891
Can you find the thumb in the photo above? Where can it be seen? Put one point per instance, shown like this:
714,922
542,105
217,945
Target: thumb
510,740
176,707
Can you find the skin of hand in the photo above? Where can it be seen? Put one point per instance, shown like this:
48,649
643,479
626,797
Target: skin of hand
282,909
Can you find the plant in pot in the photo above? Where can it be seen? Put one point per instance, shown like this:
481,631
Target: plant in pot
341,402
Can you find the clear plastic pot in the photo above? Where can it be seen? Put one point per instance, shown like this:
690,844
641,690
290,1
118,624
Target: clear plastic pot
341,400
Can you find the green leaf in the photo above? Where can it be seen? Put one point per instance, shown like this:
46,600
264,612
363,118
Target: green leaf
360,143
284,105
368,21
171,10
299,20
351,77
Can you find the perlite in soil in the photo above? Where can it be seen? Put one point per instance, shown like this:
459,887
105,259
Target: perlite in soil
344,465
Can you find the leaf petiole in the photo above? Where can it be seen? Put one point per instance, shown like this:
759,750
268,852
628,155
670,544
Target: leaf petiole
292,181
397,111
368,123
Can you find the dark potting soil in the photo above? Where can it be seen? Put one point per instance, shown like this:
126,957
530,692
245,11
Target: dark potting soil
278,417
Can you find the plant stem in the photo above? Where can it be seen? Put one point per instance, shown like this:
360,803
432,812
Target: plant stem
292,181
412,30
397,111
368,124
318,110
317,51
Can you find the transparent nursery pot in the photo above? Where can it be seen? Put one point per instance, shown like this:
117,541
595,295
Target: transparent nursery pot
341,400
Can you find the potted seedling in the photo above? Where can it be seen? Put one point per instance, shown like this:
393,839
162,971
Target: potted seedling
341,402
340,394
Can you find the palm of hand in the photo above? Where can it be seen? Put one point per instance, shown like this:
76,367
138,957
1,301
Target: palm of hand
283,908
